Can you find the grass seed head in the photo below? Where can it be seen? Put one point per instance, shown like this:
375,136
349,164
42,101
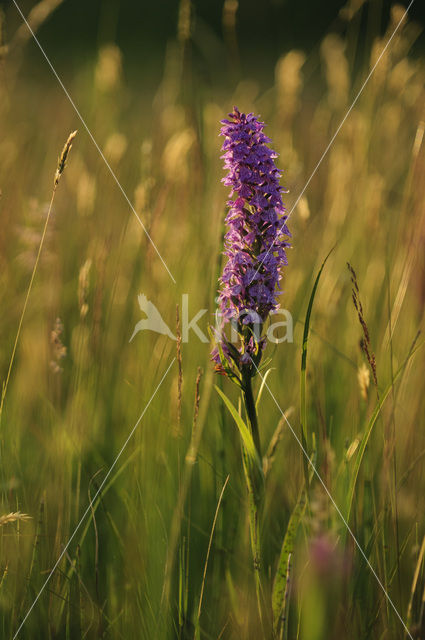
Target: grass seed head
64,156
365,343
83,288
13,517
363,377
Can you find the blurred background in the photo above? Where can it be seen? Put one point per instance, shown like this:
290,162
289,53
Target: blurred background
152,81
222,47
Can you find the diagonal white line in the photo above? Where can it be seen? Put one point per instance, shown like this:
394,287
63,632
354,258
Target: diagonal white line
335,134
338,510
111,171
93,499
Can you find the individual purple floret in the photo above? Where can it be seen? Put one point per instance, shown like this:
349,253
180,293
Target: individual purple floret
255,241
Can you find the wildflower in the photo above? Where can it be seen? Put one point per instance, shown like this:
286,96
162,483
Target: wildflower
255,241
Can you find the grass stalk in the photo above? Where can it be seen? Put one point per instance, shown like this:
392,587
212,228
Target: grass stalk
59,170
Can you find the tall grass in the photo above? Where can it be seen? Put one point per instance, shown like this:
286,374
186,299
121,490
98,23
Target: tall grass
165,551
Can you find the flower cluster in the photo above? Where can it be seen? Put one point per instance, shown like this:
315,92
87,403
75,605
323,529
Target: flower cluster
255,241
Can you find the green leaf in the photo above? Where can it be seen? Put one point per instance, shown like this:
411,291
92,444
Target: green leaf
279,584
303,399
244,431
263,383
253,468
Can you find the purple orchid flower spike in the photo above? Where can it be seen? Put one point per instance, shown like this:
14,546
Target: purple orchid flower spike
255,243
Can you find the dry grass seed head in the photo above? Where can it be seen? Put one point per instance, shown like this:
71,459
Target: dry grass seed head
13,517
365,343
63,157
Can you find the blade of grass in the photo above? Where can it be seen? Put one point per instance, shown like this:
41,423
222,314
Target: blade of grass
197,633
368,431
59,170
415,582
303,378
281,577
263,382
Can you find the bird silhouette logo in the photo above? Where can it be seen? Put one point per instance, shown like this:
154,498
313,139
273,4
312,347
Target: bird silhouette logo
153,321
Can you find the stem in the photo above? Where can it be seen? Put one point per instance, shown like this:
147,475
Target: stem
254,530
254,499
251,410
21,319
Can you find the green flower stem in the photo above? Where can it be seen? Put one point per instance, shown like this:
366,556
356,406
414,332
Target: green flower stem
250,409
253,494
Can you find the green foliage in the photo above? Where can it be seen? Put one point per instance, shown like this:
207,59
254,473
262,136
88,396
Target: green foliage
305,440
251,458
135,568
281,578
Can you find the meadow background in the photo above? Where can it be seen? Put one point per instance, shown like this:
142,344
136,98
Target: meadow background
135,568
